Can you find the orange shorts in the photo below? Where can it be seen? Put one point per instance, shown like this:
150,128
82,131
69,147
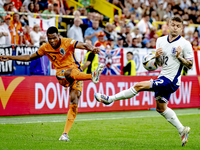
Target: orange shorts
73,84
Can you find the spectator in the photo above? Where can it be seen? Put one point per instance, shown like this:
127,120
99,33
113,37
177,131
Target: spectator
128,30
110,43
3,9
75,31
195,45
70,22
134,43
83,11
160,10
146,43
185,4
128,41
7,29
153,43
87,21
130,68
132,23
31,7
153,16
37,9
127,13
35,35
23,18
144,25
119,43
91,32
3,34
101,41
188,28
77,14
26,36
17,3
16,29
43,4
110,33
48,11
116,20
136,33
195,35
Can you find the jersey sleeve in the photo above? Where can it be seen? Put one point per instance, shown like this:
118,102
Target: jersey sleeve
188,51
71,44
41,50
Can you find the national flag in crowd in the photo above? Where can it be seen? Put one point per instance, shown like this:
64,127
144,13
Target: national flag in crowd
111,60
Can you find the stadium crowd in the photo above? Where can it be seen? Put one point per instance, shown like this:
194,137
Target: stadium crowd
135,27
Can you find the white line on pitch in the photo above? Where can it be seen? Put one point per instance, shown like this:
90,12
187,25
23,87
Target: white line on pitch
106,118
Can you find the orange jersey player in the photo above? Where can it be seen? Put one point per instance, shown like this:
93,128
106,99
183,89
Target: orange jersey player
60,51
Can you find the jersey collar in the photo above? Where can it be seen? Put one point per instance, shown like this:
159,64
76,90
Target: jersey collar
174,39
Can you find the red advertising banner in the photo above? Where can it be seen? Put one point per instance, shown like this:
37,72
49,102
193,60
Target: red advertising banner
23,95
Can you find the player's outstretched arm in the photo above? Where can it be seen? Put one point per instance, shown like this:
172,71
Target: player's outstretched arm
88,47
20,58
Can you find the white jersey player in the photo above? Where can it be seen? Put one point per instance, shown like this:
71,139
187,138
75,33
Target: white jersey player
175,52
171,66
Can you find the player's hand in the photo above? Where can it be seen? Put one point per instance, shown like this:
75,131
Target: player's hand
4,58
96,50
178,51
159,52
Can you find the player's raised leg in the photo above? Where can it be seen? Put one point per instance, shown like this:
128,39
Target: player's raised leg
125,94
76,74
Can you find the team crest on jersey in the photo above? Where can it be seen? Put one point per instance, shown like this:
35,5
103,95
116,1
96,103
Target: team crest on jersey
62,51
173,50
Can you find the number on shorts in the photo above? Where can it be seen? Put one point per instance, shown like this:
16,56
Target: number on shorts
159,81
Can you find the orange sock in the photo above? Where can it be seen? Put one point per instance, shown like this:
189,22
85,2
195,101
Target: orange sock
71,115
77,75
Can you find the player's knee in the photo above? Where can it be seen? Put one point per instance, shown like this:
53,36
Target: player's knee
68,73
62,82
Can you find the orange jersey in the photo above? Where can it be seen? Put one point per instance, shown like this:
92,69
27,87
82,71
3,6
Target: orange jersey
62,57
15,27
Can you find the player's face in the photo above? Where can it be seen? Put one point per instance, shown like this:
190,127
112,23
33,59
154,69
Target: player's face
175,28
53,39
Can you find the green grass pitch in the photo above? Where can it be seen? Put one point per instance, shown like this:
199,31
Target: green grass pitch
130,130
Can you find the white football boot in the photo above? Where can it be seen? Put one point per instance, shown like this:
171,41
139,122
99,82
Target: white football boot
64,137
96,73
184,135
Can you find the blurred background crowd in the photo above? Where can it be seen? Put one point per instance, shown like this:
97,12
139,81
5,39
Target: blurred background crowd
135,27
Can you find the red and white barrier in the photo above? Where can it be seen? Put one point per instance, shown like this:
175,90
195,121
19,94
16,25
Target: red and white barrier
23,95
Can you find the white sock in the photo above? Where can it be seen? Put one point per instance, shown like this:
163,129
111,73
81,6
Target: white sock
171,117
125,94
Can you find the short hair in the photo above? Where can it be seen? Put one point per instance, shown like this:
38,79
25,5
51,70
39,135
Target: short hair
129,53
52,30
177,18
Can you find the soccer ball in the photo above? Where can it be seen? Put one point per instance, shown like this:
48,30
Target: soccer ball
149,62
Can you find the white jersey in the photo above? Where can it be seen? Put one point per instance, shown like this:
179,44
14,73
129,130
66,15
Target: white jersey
172,67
